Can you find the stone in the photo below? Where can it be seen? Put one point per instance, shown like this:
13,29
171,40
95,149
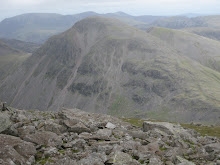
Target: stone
44,138
25,130
121,158
110,125
182,161
14,150
54,127
104,133
155,161
170,129
5,121
213,147
77,127
138,134
94,159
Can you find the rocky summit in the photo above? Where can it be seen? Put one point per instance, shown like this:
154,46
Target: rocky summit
75,137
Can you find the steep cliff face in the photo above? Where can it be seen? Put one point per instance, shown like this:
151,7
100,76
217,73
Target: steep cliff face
102,65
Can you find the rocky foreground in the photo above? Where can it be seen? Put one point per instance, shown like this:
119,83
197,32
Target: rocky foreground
74,137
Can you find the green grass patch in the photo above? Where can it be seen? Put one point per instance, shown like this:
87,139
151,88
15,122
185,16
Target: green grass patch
204,130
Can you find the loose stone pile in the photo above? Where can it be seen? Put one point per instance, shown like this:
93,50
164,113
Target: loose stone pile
74,137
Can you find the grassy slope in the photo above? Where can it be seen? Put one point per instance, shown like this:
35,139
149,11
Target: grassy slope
201,49
10,59
206,32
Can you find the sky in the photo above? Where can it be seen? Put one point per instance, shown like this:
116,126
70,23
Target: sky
9,8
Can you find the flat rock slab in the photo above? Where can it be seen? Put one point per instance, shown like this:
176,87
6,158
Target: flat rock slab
13,149
44,138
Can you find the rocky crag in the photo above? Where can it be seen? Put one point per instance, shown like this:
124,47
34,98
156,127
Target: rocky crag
74,137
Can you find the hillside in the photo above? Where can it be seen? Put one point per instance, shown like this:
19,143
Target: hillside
21,45
206,32
10,58
102,65
38,27
201,49
179,22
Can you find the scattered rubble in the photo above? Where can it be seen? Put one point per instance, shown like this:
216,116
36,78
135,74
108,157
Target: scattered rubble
74,137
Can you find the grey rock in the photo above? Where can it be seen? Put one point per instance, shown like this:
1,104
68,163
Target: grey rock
104,133
51,126
213,147
110,125
155,161
121,158
182,161
5,121
75,126
44,138
14,150
94,159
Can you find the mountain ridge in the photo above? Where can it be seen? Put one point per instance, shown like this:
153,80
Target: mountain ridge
102,65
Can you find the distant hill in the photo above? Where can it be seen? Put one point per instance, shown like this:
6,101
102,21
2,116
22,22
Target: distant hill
179,22
38,27
105,66
10,59
21,45
206,32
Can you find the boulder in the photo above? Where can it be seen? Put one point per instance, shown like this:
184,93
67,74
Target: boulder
121,158
51,126
110,125
104,133
75,126
94,159
155,161
14,150
182,161
44,138
170,129
5,121
213,147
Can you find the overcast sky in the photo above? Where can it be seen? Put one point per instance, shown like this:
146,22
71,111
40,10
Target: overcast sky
10,8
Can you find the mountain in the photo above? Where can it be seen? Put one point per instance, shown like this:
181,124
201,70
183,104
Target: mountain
34,27
179,22
38,27
206,32
176,22
105,66
198,48
10,59
192,15
21,45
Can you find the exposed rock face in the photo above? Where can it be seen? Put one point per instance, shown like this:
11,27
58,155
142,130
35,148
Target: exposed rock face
99,140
